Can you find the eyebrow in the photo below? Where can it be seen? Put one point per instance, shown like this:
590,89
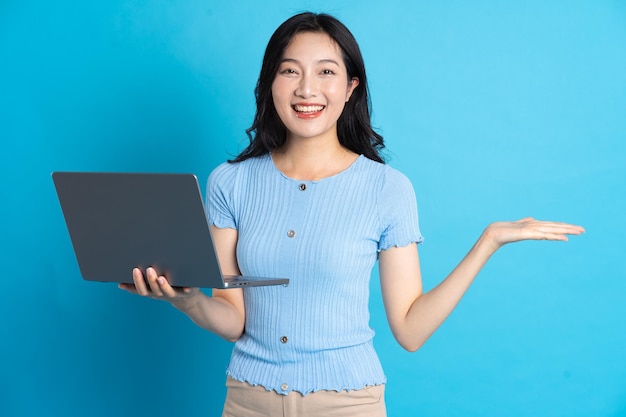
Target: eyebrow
321,61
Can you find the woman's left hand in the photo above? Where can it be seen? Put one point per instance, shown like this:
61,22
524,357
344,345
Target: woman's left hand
501,233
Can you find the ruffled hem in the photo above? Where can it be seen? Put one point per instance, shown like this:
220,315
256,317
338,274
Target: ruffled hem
400,245
223,223
279,391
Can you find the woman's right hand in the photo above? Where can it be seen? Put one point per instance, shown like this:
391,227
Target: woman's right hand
223,313
156,286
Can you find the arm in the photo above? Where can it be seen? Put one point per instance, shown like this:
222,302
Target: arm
223,313
413,315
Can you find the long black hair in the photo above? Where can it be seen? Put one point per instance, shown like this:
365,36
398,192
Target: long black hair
354,129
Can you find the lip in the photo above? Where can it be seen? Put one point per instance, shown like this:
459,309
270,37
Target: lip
308,110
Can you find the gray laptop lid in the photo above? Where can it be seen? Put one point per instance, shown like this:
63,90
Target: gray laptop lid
119,221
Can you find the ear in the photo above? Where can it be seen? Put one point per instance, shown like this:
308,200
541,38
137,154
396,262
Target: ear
354,82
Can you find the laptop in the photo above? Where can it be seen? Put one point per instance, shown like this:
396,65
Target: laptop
119,221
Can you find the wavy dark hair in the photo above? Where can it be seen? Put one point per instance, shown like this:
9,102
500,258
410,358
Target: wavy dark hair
354,129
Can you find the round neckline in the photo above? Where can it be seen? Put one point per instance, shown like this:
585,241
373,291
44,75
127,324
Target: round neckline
344,171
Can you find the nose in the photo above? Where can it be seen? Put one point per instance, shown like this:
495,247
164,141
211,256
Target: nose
307,87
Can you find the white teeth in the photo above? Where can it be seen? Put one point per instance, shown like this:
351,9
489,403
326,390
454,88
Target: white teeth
308,109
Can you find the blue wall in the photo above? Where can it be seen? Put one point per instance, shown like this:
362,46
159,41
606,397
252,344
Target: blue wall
495,110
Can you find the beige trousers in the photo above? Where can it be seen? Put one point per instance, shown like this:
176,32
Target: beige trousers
245,400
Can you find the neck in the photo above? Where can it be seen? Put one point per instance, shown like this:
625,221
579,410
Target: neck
312,159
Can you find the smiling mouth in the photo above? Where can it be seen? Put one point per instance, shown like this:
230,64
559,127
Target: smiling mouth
307,109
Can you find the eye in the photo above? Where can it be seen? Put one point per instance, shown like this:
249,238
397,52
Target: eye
328,72
287,71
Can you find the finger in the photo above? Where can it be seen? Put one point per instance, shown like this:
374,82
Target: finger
525,220
572,229
553,231
152,277
127,287
165,287
550,226
554,236
140,282
561,228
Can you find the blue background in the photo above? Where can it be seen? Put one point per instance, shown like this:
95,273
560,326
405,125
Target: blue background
495,110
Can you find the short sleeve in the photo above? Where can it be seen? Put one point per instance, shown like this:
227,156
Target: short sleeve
398,212
219,196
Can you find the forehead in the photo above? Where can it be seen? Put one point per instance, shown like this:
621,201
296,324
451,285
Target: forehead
313,46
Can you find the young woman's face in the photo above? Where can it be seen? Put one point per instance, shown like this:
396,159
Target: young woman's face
311,86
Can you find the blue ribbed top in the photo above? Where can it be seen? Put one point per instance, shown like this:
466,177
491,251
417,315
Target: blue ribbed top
325,236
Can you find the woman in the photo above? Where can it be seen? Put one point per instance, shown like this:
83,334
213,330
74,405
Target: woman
311,199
